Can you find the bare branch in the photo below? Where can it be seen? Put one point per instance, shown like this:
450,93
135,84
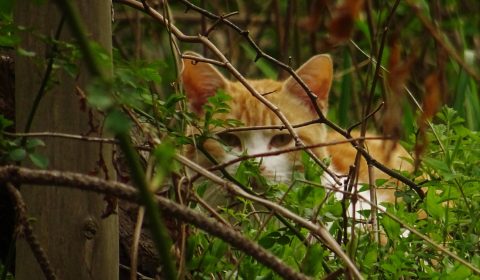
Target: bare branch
27,230
289,150
20,175
320,230
439,38
206,42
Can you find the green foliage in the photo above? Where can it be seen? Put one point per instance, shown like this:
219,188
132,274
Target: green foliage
145,91
248,173
267,70
450,168
215,106
8,30
8,275
16,150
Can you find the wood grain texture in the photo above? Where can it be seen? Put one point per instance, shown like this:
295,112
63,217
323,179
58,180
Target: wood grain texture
78,241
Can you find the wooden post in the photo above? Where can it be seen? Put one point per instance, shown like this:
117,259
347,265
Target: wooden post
78,241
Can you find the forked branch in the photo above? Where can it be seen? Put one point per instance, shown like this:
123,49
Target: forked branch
20,175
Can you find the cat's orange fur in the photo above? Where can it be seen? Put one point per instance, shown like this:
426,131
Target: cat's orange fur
202,80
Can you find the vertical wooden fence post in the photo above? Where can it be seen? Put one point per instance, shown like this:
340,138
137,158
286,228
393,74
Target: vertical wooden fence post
78,241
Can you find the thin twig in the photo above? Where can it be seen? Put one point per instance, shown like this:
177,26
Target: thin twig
218,21
264,127
196,59
159,231
27,230
474,269
212,211
439,38
311,95
410,94
293,149
46,77
367,156
373,199
50,178
371,114
158,228
135,241
201,39
320,230
61,135
242,80
139,275
403,224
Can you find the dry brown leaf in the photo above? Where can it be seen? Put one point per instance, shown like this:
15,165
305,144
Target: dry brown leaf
399,72
343,19
399,69
431,103
311,23
432,99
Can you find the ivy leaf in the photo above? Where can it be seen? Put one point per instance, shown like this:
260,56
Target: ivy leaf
33,143
39,160
18,154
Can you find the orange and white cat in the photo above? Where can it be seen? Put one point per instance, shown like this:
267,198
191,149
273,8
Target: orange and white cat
202,80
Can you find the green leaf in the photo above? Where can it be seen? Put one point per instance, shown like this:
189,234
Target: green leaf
18,154
4,123
219,248
459,273
9,276
164,154
392,228
433,205
6,7
438,165
370,258
312,171
33,143
388,267
117,122
380,182
269,240
173,100
39,160
364,187
312,264
150,74
9,40
24,52
98,96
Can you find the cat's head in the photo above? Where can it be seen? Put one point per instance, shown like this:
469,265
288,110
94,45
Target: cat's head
202,80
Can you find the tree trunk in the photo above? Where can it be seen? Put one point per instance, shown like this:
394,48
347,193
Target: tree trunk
80,243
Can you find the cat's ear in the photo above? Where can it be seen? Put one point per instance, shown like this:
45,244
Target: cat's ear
200,81
317,73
